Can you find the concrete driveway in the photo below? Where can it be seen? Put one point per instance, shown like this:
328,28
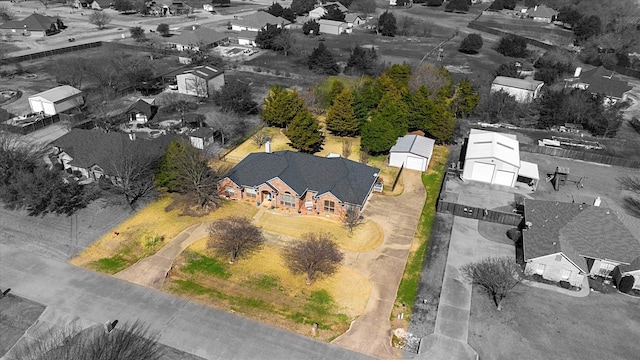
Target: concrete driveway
91,298
398,216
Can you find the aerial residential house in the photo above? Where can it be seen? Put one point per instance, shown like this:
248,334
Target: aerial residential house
197,39
57,100
568,241
141,111
494,158
323,9
524,90
333,27
601,81
100,4
257,21
246,38
200,81
412,151
354,19
201,137
541,13
36,25
300,182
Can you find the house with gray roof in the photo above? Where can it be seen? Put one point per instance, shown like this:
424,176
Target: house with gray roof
412,152
36,25
197,38
300,182
257,21
541,13
601,81
524,90
568,241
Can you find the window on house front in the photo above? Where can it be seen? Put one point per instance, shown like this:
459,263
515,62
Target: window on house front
540,269
229,190
329,206
566,274
287,200
250,192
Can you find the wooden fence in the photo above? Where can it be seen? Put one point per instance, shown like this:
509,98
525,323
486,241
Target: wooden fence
478,213
483,28
581,155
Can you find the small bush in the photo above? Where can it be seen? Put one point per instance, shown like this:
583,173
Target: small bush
626,284
151,241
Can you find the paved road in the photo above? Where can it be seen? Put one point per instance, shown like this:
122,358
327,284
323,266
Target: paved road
93,298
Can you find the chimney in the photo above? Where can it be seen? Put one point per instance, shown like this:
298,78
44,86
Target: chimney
578,71
267,147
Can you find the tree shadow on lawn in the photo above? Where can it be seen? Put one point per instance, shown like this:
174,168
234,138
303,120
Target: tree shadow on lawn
495,232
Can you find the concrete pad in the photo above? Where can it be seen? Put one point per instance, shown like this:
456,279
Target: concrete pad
452,322
456,293
438,347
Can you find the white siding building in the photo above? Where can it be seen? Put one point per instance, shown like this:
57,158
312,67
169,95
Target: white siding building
56,100
524,90
200,81
412,151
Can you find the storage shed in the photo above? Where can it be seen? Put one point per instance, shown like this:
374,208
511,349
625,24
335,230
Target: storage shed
492,158
412,151
524,90
56,100
200,81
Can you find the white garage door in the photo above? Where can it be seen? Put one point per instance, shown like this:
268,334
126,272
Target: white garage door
414,163
49,108
504,178
482,172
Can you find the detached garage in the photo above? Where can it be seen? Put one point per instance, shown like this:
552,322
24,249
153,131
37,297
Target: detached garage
412,151
57,100
492,158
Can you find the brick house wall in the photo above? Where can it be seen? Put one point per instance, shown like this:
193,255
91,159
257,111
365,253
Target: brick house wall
555,267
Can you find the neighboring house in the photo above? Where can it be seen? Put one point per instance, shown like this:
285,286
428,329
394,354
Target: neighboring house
601,81
201,137
323,9
632,269
257,21
57,100
101,4
494,158
246,38
197,38
79,4
354,19
301,182
200,81
142,110
566,241
92,154
412,151
541,13
36,25
524,90
333,27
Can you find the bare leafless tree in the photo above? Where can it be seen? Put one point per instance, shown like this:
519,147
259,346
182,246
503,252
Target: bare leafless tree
235,236
99,19
497,275
284,42
260,137
346,148
352,219
227,123
71,70
315,253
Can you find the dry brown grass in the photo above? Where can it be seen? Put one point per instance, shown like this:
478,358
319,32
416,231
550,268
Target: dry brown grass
366,236
151,221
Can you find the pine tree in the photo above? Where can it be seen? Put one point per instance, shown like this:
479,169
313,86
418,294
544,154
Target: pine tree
395,111
399,75
360,110
336,88
442,124
378,135
341,118
281,106
465,99
323,61
304,133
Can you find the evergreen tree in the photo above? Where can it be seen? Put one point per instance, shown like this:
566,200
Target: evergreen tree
304,133
378,135
266,36
275,9
442,124
323,61
395,111
341,118
311,27
471,44
422,109
363,60
360,110
399,75
334,13
387,24
281,106
336,88
465,99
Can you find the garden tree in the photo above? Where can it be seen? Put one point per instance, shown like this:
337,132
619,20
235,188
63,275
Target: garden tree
304,133
399,75
569,16
227,124
184,169
124,5
235,96
341,119
311,27
363,61
163,30
265,36
283,42
546,75
431,116
137,33
363,7
288,14
372,90
99,19
5,13
378,135
471,44
587,27
203,57
508,69
336,88
632,201
360,110
301,7
351,219
434,2
465,99
513,46
498,106
395,111
458,5
281,106
71,70
575,106
316,253
127,340
322,61
387,24
275,9
496,275
334,13
235,236
436,79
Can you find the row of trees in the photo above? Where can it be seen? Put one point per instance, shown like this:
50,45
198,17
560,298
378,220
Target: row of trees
236,237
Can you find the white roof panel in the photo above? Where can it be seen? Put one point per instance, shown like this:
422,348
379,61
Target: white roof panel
529,170
58,93
487,144
418,145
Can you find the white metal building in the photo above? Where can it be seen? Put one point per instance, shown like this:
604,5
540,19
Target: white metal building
524,90
200,81
412,151
56,100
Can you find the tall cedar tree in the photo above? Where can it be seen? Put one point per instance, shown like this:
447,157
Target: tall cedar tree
275,9
302,6
304,133
322,61
378,135
363,61
334,13
311,27
395,111
341,119
235,96
336,88
265,36
360,109
465,99
432,116
471,44
387,24
399,75
281,106
512,45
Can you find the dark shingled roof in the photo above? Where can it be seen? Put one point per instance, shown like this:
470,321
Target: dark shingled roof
142,107
578,231
33,22
348,180
603,81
